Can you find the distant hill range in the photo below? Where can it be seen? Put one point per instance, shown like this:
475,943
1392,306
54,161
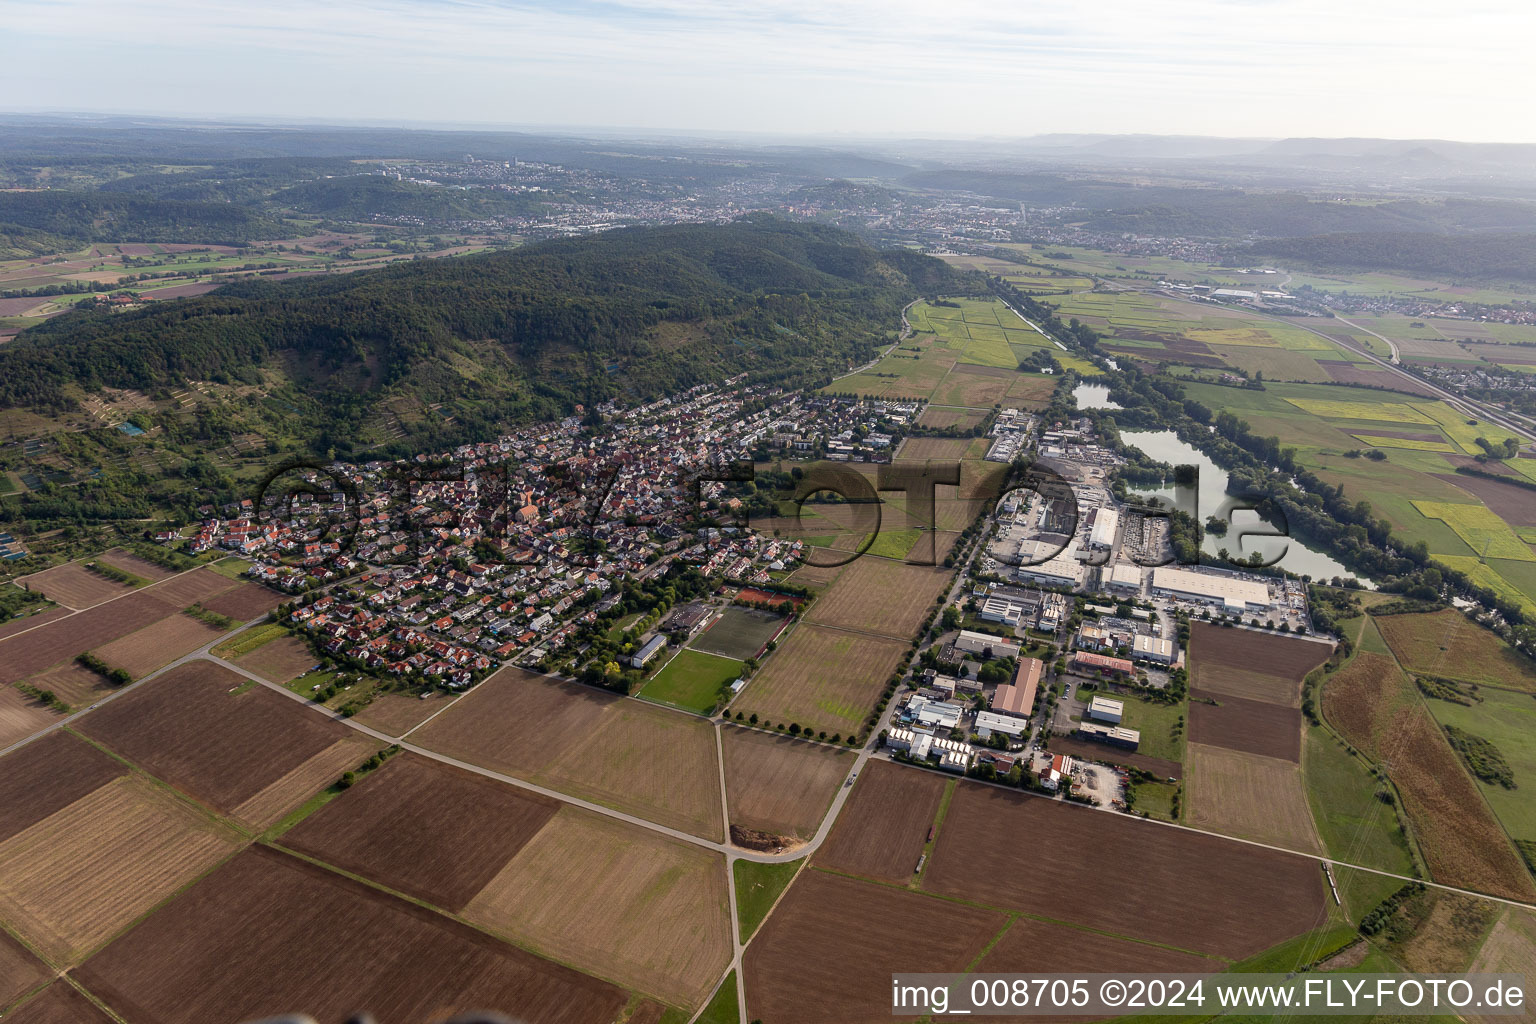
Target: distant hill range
502,337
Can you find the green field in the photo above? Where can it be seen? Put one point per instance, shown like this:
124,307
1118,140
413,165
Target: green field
692,681
1508,721
757,889
723,1008
1161,733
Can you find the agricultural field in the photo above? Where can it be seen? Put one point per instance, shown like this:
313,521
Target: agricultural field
1448,644
1249,796
625,754
1352,821
649,912
24,654
692,681
1251,726
879,595
812,962
739,633
1508,721
86,847
21,716
423,828
1374,707
267,933
884,825
1416,487
281,659
780,785
1161,885
20,971
90,868
758,887
120,558
59,1003
824,680
1256,666
231,744
1030,946
75,587
244,601
396,714
157,644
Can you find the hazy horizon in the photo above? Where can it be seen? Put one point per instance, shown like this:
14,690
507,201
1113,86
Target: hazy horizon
792,68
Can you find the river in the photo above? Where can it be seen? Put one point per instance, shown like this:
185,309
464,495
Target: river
1212,498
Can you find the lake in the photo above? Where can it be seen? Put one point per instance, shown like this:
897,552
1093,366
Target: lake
1212,499
1094,396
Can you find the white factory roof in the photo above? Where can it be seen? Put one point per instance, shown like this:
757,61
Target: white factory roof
1211,587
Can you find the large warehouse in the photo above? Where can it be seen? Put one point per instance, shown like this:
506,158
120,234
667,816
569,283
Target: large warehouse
1221,590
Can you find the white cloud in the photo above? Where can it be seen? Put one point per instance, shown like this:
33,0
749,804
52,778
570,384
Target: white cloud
886,66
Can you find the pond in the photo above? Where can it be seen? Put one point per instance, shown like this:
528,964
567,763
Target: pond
1094,396
1212,499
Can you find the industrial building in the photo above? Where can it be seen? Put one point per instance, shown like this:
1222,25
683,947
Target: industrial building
1064,570
1103,523
922,744
1102,709
987,723
934,713
1113,735
1101,663
1222,590
1018,697
1153,648
985,645
1123,576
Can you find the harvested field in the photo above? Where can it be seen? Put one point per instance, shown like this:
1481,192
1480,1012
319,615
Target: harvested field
1447,643
1513,504
74,586
130,562
780,785
1462,842
1249,664
71,881
1249,725
624,754
48,775
396,714
73,683
59,1003
158,644
29,653
1150,882
1249,796
26,622
739,633
20,971
938,417
811,963
268,934
822,679
944,449
817,575
304,780
21,716
1044,947
1106,754
424,828
191,588
1509,949
220,747
646,911
881,595
1353,697
244,601
884,825
279,660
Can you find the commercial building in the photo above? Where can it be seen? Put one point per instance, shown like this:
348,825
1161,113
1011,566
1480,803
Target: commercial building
1112,735
1064,570
985,645
934,713
643,656
1153,648
987,723
1102,526
1123,576
1102,709
1220,590
1018,697
1002,610
1101,663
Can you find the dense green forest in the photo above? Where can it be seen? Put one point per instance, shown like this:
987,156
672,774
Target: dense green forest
1484,256
508,336
101,217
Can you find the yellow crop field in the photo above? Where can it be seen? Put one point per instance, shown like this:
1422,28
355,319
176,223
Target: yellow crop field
1485,575
1406,442
1386,412
1482,529
1462,432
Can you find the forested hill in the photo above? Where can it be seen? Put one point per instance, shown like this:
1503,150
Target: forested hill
101,217
506,336
1488,256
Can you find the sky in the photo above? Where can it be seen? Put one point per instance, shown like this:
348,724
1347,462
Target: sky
963,68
